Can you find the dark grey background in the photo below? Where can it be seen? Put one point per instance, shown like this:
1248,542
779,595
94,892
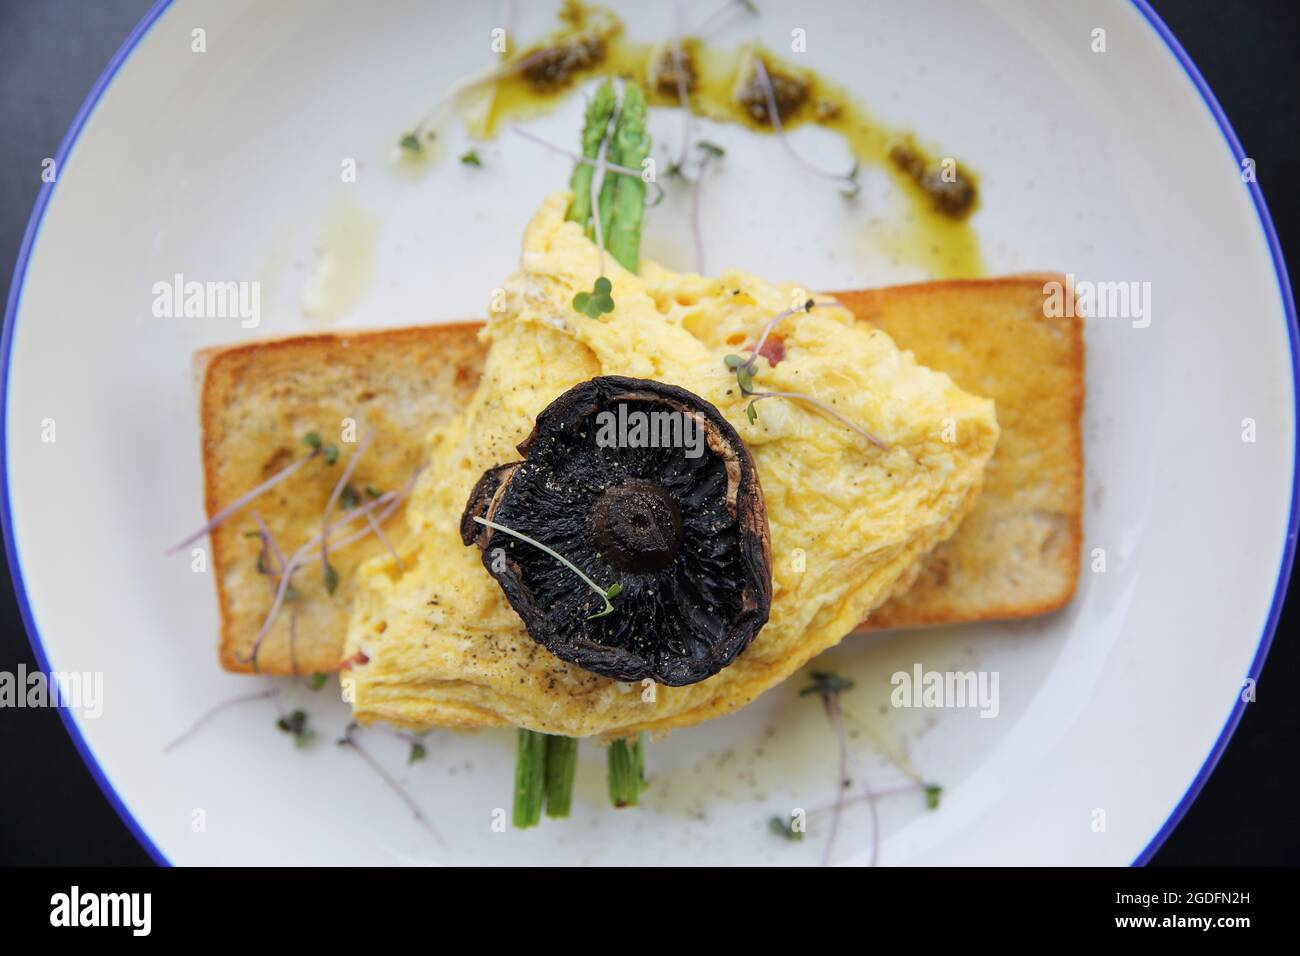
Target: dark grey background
51,52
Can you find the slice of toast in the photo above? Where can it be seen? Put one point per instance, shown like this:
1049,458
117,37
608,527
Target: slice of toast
1015,555
1017,552
256,403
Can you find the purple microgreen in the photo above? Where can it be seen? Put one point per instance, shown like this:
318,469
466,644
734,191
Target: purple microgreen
239,503
349,739
808,399
329,572
605,593
379,533
722,16
828,687
296,726
744,371
389,501
711,152
848,181
679,70
579,158
217,709
412,140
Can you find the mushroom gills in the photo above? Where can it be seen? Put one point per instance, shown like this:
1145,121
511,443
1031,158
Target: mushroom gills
685,536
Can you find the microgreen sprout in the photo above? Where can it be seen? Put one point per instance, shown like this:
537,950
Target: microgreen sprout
717,20
268,694
848,181
828,687
317,681
598,301
418,752
295,725
411,142
242,500
471,158
744,371
331,576
349,740
389,502
785,828
349,497
606,594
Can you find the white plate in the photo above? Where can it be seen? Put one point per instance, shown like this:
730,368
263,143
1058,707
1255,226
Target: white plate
226,165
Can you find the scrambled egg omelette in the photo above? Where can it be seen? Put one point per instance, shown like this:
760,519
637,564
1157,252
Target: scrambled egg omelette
438,644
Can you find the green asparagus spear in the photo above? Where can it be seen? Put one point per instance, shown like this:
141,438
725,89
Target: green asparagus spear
599,110
626,771
632,145
561,769
530,777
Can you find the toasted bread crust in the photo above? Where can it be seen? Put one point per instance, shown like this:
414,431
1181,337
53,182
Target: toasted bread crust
1018,552
256,401
1010,559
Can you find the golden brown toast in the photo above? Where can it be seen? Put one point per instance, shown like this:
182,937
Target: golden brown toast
1015,555
257,401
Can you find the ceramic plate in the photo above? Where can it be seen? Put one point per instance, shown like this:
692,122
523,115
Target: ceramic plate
1113,165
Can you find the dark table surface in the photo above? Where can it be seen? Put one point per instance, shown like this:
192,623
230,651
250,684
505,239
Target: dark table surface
51,52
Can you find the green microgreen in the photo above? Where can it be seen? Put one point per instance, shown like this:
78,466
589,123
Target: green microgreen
373,492
312,440
411,142
785,828
317,681
932,793
471,158
744,372
331,453
295,725
598,301
418,752
348,497
331,579
606,594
